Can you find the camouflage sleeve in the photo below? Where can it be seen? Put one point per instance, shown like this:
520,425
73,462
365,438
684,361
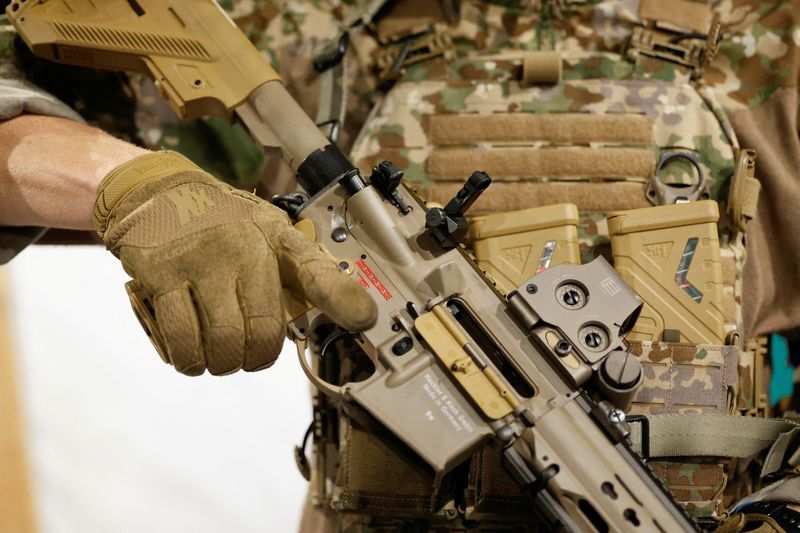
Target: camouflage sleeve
19,96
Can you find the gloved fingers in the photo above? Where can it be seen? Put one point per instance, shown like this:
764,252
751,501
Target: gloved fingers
221,321
309,271
180,330
259,292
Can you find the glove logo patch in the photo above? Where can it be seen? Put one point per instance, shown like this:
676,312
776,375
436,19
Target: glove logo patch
190,204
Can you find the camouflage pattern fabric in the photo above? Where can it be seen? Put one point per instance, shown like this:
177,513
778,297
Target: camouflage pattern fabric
689,379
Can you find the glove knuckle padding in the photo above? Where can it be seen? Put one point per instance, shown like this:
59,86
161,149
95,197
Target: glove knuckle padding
180,329
221,321
259,292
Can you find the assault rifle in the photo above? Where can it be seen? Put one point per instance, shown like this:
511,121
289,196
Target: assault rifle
542,372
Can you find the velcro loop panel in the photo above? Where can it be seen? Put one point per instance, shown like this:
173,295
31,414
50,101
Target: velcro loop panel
697,485
375,477
709,435
527,163
514,196
695,16
493,490
574,128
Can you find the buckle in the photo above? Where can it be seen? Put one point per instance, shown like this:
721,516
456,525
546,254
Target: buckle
409,48
660,193
331,53
744,190
644,435
691,50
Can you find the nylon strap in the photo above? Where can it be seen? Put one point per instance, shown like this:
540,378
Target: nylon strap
709,435
751,189
744,191
333,81
777,455
332,100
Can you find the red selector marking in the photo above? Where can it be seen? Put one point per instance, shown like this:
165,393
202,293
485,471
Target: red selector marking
373,279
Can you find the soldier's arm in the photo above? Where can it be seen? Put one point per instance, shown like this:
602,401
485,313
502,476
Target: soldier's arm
50,168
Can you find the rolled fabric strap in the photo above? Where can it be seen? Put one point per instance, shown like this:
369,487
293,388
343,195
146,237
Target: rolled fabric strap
541,67
706,435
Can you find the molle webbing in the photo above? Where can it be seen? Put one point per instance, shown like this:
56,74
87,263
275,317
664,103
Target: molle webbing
575,128
526,163
682,380
705,435
685,378
375,478
492,490
695,16
513,196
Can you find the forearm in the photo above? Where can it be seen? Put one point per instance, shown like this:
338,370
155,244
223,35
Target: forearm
50,169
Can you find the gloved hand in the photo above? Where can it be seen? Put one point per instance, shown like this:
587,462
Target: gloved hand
212,260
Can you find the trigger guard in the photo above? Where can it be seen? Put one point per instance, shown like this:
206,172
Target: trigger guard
143,311
330,390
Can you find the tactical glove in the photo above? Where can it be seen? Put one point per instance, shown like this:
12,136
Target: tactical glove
208,264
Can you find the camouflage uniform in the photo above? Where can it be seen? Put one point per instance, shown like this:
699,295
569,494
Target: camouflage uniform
749,91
